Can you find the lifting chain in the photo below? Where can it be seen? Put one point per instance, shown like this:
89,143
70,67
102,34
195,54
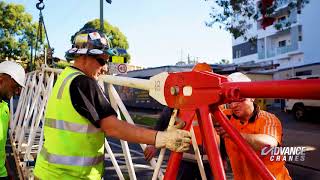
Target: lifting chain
40,6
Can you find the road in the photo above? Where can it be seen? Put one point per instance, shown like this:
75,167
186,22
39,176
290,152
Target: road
137,158
306,133
295,133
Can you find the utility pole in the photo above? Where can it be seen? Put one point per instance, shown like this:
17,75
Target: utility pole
101,15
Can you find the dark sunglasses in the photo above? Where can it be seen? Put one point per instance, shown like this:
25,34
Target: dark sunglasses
102,61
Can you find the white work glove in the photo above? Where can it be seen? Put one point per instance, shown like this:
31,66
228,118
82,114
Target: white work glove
174,139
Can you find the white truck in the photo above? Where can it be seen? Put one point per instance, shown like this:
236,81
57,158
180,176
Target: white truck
302,107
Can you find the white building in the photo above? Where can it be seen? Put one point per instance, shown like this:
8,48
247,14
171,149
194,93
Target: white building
298,45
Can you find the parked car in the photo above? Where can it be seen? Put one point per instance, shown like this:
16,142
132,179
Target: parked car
301,108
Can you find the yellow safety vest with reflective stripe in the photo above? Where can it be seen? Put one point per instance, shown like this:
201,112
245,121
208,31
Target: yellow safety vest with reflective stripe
4,120
73,147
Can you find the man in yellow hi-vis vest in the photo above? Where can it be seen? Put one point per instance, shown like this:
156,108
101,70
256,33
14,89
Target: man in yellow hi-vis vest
78,116
12,78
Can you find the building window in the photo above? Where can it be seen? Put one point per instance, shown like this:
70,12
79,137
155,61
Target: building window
282,43
238,53
304,73
300,37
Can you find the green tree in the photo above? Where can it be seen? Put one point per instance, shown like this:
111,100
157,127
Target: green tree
235,15
118,39
17,31
62,64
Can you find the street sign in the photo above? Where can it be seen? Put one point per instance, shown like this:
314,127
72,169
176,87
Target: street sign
115,68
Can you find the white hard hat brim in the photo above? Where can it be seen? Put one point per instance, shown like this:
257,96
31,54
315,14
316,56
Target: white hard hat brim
20,83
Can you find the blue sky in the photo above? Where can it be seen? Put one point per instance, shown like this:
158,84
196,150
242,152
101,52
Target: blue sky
159,32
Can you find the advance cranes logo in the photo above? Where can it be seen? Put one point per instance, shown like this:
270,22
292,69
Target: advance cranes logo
286,153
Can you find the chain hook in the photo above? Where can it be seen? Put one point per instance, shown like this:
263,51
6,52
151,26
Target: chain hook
40,5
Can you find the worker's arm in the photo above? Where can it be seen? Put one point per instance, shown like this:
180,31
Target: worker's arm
175,139
268,132
125,131
257,141
89,101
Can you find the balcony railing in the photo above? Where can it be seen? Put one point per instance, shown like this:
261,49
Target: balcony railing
271,53
285,49
278,51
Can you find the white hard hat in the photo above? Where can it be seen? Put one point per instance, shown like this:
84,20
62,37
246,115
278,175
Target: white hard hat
14,70
239,77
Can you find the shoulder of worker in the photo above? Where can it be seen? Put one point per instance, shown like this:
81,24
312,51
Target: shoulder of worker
84,82
268,123
267,116
89,100
4,104
4,111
